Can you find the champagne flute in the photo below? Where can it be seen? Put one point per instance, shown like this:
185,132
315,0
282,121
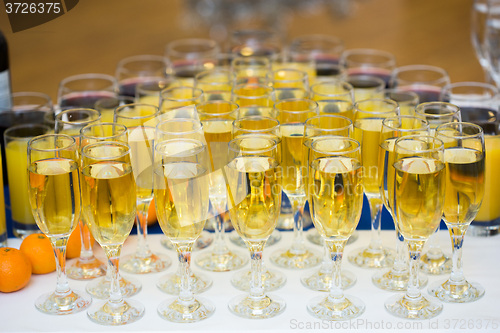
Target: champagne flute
217,118
368,117
334,97
140,120
435,261
181,177
336,198
100,287
250,70
464,156
292,115
247,127
86,266
289,83
253,179
395,278
108,196
368,62
216,84
180,129
252,95
419,187
407,100
366,86
55,200
177,97
316,128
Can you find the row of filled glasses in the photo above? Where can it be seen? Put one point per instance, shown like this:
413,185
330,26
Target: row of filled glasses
254,225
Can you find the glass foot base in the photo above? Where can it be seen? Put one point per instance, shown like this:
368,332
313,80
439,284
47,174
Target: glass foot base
328,308
86,269
456,293
99,288
186,312
123,313
138,265
223,262
371,258
288,259
273,239
272,280
73,302
202,242
170,283
257,308
321,280
394,280
419,308
314,237
435,265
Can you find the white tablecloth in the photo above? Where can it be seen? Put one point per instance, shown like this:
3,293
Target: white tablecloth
481,264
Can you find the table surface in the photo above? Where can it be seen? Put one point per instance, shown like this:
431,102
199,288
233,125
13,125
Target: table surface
481,264
95,35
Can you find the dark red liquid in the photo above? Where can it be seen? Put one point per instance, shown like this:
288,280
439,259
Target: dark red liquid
83,99
428,94
327,67
380,73
487,118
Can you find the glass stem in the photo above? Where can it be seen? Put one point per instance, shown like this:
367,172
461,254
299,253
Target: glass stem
86,253
115,294
376,218
220,246
256,284
59,247
336,248
184,255
326,263
401,260
415,248
298,246
457,233
142,250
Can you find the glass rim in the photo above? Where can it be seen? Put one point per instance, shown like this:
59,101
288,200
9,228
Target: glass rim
438,148
211,46
421,67
7,132
269,90
216,70
90,126
32,94
479,129
120,66
322,116
272,78
337,83
390,59
184,153
337,44
310,102
168,90
87,76
235,108
181,120
380,100
105,143
89,111
72,142
400,117
121,107
256,118
440,105
234,147
413,94
313,143
247,59
448,90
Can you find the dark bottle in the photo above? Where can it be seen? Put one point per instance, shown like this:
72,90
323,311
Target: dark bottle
5,102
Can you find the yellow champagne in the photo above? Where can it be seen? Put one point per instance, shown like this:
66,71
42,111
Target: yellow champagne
108,197
490,209
217,135
420,186
54,194
140,140
16,153
464,184
335,196
386,174
181,199
254,196
293,161
367,133
3,225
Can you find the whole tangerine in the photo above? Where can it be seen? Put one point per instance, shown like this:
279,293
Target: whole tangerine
15,270
38,249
